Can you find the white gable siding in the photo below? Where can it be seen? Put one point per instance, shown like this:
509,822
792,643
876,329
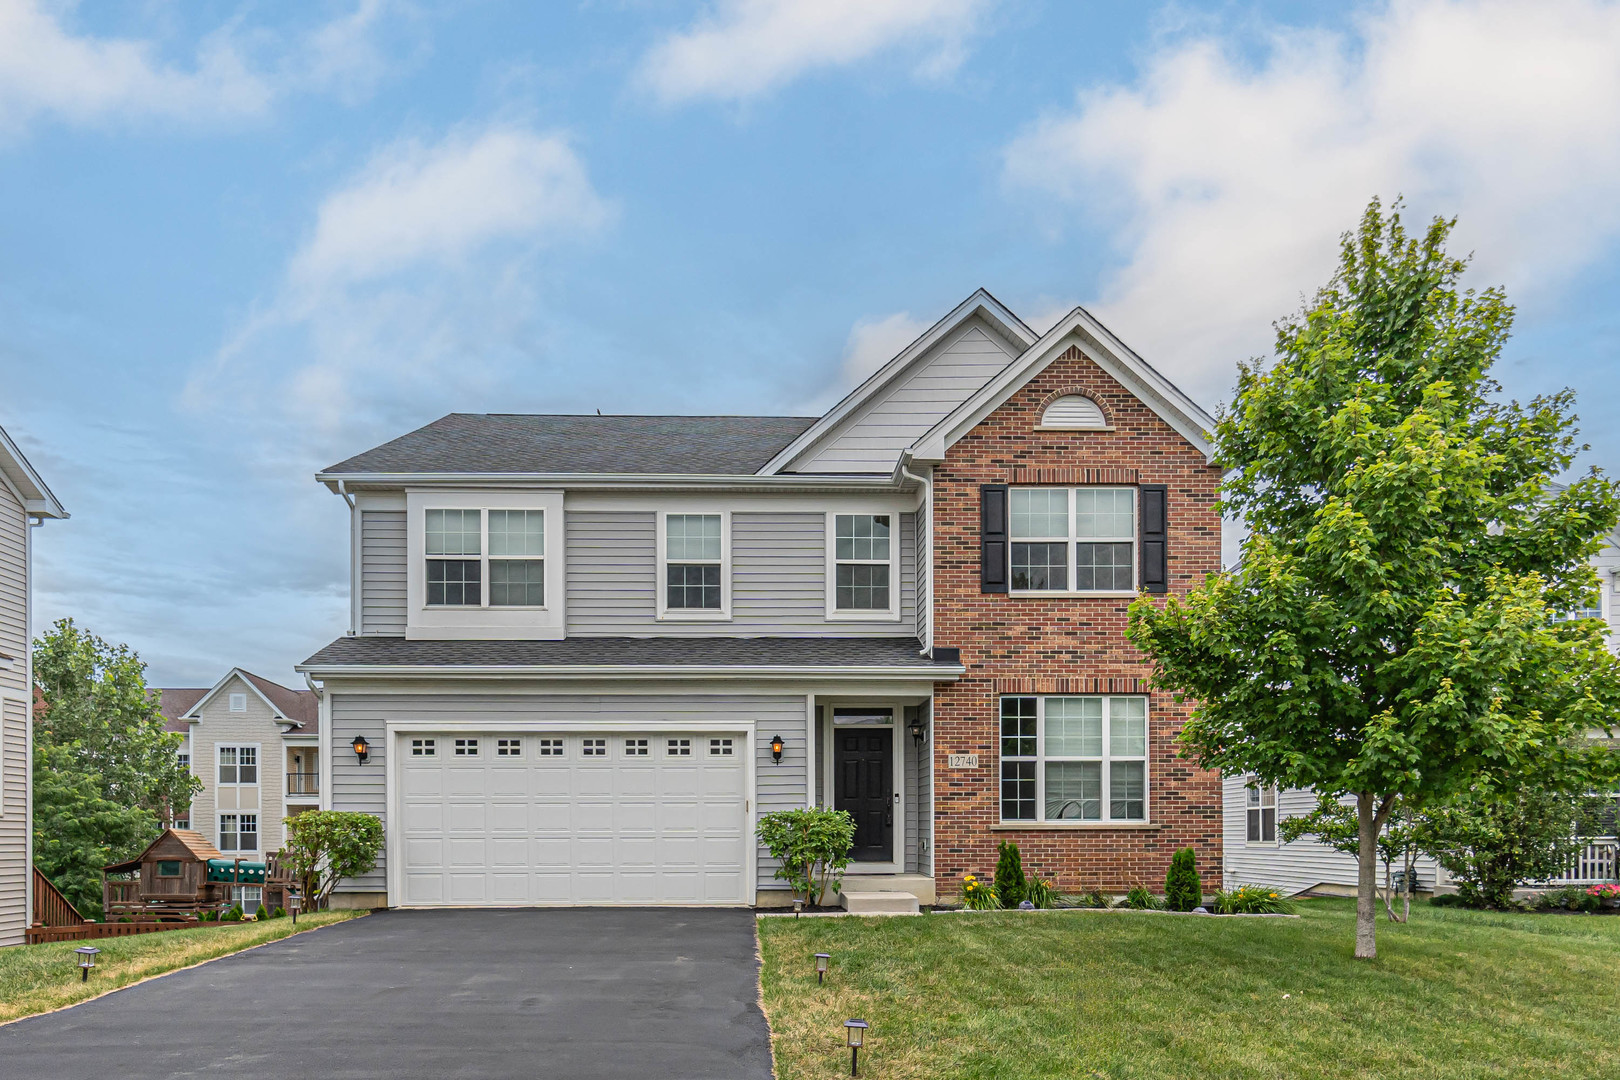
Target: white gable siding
14,697
871,439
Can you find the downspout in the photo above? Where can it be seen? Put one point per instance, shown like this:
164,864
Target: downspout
354,559
928,512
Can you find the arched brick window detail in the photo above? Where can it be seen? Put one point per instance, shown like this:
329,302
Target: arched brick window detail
1074,411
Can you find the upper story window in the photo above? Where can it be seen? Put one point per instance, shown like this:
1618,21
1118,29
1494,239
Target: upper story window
1592,609
455,546
238,764
1074,759
864,572
694,559
1073,540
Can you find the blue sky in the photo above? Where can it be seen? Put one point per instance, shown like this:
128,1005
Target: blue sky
243,241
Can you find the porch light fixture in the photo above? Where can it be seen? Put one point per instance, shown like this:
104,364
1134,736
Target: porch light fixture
776,748
855,1038
87,960
915,726
822,960
362,749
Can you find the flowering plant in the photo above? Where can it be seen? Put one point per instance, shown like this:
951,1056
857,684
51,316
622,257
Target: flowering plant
978,896
1604,892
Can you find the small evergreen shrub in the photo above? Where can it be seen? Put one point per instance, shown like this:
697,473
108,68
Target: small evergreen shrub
1182,889
279,913
262,913
209,916
232,914
1010,875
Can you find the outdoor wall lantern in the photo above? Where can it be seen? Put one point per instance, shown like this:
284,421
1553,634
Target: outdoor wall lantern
855,1036
87,960
361,748
915,726
822,960
776,748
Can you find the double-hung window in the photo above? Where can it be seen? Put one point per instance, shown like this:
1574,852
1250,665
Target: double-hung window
694,552
1074,759
461,544
863,566
1073,540
238,764
239,832
1262,813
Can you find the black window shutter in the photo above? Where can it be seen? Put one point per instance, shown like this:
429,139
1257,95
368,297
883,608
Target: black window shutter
993,538
1155,538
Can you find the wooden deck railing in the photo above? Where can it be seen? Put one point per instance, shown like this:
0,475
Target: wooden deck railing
51,908
1596,863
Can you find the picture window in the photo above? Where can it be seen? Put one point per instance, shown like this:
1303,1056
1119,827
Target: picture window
1073,758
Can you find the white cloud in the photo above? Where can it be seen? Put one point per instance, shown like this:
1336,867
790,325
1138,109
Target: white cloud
743,48
419,281
48,71
1226,185
872,343
415,203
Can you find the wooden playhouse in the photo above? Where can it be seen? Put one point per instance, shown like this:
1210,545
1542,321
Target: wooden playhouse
181,875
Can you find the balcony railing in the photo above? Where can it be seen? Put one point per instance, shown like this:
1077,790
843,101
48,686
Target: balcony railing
1597,862
303,783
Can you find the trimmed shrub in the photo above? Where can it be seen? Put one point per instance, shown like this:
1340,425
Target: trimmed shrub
279,913
262,913
232,914
1182,889
812,847
1010,875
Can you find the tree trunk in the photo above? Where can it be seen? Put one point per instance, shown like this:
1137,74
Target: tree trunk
1367,877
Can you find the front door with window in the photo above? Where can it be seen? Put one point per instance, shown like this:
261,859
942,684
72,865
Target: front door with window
863,765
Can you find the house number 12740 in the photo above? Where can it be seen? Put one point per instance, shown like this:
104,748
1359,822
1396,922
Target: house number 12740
962,761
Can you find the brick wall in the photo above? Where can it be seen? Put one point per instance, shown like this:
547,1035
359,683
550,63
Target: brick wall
1063,645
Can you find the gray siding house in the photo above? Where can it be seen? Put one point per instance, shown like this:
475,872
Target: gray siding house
586,653
25,501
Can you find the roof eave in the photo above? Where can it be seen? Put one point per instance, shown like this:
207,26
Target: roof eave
935,672
608,480
36,495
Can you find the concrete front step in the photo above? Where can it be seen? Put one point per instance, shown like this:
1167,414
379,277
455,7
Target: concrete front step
878,903
919,885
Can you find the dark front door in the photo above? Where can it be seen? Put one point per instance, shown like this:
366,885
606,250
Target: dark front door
865,788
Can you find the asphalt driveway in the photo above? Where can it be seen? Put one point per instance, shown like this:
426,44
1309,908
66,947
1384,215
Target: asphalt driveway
576,993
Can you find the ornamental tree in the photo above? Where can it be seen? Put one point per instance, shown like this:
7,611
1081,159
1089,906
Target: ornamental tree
813,847
1388,633
325,846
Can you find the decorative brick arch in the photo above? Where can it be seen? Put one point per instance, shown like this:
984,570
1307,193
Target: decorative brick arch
1089,393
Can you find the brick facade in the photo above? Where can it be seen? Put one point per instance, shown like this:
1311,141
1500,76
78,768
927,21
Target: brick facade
1064,645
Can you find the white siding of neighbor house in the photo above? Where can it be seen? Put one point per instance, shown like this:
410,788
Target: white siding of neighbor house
383,572
870,440
362,788
221,726
778,578
1294,867
14,697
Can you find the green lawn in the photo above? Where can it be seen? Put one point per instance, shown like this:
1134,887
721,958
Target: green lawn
1139,994
39,978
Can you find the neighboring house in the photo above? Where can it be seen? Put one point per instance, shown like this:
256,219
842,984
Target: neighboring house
1256,855
588,652
253,745
24,501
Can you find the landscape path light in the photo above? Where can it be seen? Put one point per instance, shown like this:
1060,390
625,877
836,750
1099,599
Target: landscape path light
855,1036
822,960
87,960
798,906
294,901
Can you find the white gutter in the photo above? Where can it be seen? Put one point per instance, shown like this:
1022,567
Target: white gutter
621,671
854,481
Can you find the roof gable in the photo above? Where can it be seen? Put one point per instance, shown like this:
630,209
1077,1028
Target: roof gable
298,707
1098,344
16,473
867,431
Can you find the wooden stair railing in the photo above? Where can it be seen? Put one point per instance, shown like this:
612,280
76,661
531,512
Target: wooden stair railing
51,908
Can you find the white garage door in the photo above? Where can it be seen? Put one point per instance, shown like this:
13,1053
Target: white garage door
504,819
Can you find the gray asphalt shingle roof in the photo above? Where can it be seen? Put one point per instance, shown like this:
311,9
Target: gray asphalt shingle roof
521,443
627,651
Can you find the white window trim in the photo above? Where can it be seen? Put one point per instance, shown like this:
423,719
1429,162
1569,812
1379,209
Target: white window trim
258,761
1071,540
1040,759
1045,426
838,614
1250,784
258,830
669,614
484,622
233,699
